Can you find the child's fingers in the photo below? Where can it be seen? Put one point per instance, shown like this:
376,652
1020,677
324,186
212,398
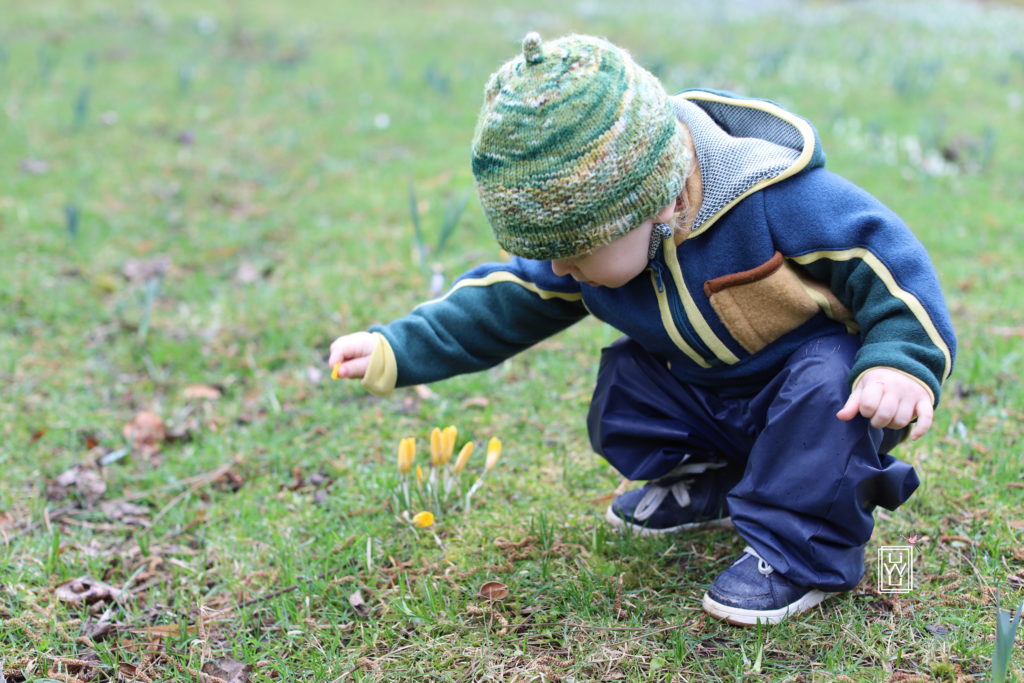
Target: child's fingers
352,368
925,412
851,407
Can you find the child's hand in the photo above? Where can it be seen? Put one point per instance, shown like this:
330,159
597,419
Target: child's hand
890,399
351,353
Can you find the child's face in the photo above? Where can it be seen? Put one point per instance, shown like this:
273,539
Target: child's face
617,262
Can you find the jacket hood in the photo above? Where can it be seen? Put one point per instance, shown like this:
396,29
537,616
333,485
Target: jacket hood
743,145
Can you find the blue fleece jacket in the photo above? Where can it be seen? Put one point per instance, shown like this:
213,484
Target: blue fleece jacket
782,251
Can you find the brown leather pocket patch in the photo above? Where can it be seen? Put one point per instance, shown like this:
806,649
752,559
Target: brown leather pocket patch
760,305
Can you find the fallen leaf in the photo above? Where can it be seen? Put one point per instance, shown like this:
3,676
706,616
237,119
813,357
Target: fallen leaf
249,273
87,481
129,673
201,391
476,402
88,590
424,392
494,590
1016,484
1017,524
1008,332
358,604
227,668
146,432
140,270
123,511
164,630
36,435
34,166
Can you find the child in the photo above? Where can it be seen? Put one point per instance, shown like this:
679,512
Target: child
754,288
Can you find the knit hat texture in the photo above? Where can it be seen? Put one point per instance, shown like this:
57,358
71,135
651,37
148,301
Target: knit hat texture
575,146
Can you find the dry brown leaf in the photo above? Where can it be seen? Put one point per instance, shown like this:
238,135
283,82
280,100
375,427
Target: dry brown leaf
358,604
140,270
494,590
205,392
87,481
88,590
424,392
129,673
164,630
123,511
476,402
1017,524
227,668
146,432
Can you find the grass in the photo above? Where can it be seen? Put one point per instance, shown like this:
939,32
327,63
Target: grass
205,196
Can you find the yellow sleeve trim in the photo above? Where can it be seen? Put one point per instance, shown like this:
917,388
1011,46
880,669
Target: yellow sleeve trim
505,276
805,129
382,373
927,388
912,302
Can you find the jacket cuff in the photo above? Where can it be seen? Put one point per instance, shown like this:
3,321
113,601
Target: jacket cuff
927,388
382,373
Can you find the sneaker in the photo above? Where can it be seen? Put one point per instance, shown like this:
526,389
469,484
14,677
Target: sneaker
691,497
751,591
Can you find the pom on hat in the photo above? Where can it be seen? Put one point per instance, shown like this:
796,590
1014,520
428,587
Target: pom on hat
575,146
532,48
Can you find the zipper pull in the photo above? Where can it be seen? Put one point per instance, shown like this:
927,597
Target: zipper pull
659,284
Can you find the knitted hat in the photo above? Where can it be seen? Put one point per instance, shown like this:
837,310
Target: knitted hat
575,146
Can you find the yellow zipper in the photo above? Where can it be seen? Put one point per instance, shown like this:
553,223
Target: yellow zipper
670,325
693,314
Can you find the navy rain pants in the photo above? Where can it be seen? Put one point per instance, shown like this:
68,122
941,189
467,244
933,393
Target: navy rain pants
808,481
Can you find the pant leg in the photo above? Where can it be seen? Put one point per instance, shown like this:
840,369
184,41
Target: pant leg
806,498
645,422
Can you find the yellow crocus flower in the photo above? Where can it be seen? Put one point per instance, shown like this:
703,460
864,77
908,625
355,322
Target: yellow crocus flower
423,519
436,441
406,454
493,453
419,474
460,462
448,437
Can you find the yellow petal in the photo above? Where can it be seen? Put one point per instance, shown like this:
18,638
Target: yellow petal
406,454
423,519
493,453
436,439
448,437
334,370
419,474
460,462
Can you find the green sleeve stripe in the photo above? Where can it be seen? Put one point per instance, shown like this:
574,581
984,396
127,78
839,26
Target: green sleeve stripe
505,276
886,277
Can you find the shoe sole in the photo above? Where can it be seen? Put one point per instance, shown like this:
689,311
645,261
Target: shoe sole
738,616
622,525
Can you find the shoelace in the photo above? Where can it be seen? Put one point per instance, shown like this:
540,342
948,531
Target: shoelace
762,566
680,490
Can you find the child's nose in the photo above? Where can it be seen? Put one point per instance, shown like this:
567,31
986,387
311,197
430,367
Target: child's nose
560,267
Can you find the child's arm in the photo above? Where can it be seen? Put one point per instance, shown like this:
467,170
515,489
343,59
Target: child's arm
842,236
491,313
890,399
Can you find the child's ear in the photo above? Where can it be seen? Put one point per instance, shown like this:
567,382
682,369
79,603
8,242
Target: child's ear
665,215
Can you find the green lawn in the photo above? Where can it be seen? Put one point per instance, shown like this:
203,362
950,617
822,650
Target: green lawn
196,198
